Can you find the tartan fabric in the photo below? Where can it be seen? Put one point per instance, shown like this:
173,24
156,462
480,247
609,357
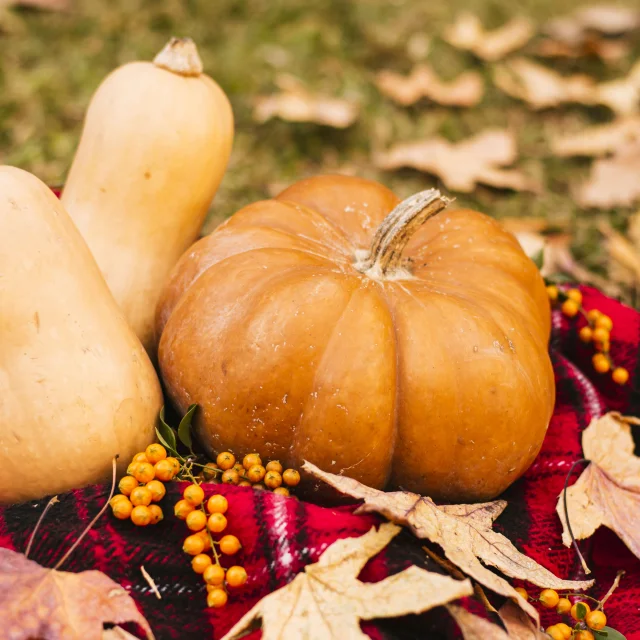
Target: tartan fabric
281,535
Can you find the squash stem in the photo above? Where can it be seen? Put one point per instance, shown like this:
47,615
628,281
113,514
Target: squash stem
395,231
180,55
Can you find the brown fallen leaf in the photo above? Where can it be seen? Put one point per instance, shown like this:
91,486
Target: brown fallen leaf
598,140
464,532
295,103
467,33
461,166
465,91
592,45
36,602
327,600
613,181
541,87
518,625
608,490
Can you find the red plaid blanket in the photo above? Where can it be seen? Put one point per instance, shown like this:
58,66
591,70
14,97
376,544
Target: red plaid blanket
281,535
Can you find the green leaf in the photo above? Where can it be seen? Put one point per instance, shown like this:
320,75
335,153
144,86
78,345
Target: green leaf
538,258
600,634
184,428
612,634
581,611
166,434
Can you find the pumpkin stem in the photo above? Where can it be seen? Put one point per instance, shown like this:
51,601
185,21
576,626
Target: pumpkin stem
385,258
180,56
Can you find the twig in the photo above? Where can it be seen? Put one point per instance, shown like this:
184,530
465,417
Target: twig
150,582
566,514
90,525
614,586
445,564
50,504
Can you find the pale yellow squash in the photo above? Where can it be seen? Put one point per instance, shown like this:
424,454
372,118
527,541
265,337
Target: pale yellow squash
155,145
76,386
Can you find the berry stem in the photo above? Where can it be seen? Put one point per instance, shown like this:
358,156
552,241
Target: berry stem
609,593
566,513
50,504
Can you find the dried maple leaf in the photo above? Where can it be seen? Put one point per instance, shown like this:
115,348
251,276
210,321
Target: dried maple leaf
613,181
463,165
463,531
465,91
327,600
468,33
541,87
608,491
36,602
295,103
598,140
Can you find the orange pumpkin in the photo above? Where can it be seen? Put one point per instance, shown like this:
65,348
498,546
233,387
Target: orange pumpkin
396,343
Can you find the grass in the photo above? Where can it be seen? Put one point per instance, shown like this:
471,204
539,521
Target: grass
51,63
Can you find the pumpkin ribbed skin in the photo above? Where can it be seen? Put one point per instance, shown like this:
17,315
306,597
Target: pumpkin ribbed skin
435,378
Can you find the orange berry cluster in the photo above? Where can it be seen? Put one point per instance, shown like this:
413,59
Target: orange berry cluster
584,620
597,331
251,473
204,523
143,486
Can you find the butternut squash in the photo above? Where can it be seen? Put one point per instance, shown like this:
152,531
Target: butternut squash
76,386
155,145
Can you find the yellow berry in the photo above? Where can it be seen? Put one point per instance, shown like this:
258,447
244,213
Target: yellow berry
155,452
281,491
226,460
620,375
122,508
156,513
574,610
596,620
273,479
555,632
291,477
127,484
565,629
140,457
217,598
239,468
229,545
217,504
164,470
274,465
603,347
175,465
549,598
552,292
183,509
193,545
586,334
570,308
216,523
200,562
600,335
117,498
210,471
236,576
214,574
206,540
563,606
523,593
244,483
230,476
141,515
593,315
131,469
259,486
583,635
140,496
256,473
604,322
194,494
157,489
600,363
575,295
250,460
144,472
196,520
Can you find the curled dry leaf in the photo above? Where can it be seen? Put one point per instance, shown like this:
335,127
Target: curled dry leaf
468,33
598,140
518,625
541,87
295,103
465,91
613,181
327,600
463,165
464,532
608,490
36,602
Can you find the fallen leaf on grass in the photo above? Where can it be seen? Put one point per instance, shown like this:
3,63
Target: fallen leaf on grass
461,166
467,33
463,531
598,140
608,490
465,91
328,601
613,181
592,45
295,103
36,602
541,87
